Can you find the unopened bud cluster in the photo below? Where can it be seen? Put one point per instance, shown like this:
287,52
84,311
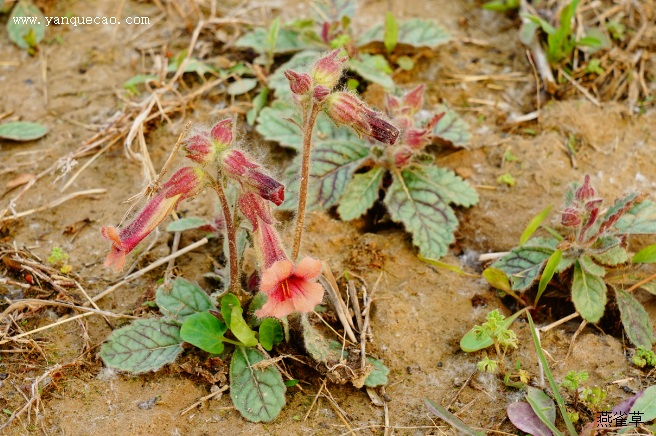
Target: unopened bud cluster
344,108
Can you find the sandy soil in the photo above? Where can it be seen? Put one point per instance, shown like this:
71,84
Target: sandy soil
421,313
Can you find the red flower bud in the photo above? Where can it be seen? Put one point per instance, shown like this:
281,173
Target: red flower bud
414,100
199,149
320,93
416,138
255,209
585,192
347,109
328,69
402,157
238,166
570,217
299,83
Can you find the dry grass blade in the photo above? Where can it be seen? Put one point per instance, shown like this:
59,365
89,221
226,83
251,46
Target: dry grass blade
330,284
54,203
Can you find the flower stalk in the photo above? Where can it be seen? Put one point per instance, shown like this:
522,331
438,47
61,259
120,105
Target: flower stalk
308,127
231,234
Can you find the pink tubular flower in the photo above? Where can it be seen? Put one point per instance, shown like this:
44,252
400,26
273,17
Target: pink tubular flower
187,182
327,70
291,288
203,148
347,109
238,166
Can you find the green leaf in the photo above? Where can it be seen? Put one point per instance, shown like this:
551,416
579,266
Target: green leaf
649,287
189,223
615,256
591,267
139,79
533,225
645,405
415,202
445,265
240,329
527,32
291,383
360,194
472,342
373,68
554,387
204,331
646,255
544,408
272,35
227,303
523,265
451,419
378,376
145,345
333,165
391,32
241,86
274,125
259,102
287,41
257,393
451,128
22,131
318,347
192,65
544,404
270,333
497,279
501,5
547,274
414,32
635,319
23,34
183,300
448,185
639,220
588,294
405,63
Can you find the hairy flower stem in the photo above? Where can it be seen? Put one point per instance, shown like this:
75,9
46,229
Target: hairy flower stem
231,234
310,117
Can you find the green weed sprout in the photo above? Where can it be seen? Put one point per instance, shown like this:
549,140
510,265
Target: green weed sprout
502,337
58,258
644,357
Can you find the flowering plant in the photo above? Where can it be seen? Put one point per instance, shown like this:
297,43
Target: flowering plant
287,286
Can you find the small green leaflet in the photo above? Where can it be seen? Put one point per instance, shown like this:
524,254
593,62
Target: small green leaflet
635,319
414,32
533,225
26,36
270,333
646,255
187,224
378,376
240,329
257,393
645,406
451,128
413,201
204,331
360,194
523,265
227,303
438,264
259,102
182,300
451,419
591,267
391,36
497,279
287,41
22,131
241,86
470,342
547,274
588,294
145,345
640,219
615,256
373,68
